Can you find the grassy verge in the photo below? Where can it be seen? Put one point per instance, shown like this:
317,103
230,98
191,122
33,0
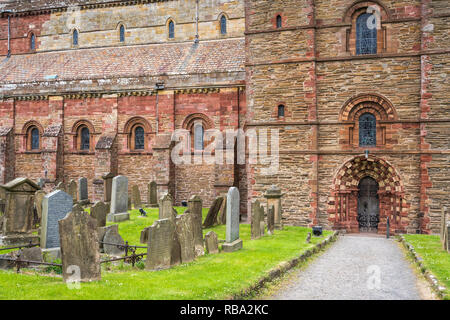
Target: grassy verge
435,259
218,276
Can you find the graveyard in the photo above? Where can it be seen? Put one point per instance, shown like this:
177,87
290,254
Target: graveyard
177,253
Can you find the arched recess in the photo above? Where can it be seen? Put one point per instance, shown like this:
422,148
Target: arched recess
189,124
130,130
77,134
343,198
27,138
355,107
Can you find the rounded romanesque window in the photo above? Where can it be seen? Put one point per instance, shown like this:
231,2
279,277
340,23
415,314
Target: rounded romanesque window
197,124
32,42
223,24
367,130
84,138
33,138
279,22
199,135
171,30
83,132
122,33
366,34
75,38
138,130
139,138
281,110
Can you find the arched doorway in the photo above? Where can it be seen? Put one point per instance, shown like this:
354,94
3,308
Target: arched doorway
368,205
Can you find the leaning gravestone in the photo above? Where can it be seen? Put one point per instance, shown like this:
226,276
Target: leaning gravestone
79,246
211,217
72,190
222,216
119,200
159,252
83,191
257,215
211,242
99,212
232,241
136,197
271,220
55,207
195,210
153,194
113,242
184,230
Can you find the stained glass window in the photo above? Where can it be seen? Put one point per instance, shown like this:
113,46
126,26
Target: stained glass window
366,35
75,38
171,30
367,130
223,25
85,139
279,22
122,34
198,136
280,111
34,139
33,42
139,138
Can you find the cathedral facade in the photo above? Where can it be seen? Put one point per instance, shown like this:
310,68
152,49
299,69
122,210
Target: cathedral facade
355,91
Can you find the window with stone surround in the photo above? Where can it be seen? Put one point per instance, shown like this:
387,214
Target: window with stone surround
32,132
223,24
122,33
83,132
279,22
366,34
281,110
137,130
367,130
32,42
84,138
197,124
75,38
171,29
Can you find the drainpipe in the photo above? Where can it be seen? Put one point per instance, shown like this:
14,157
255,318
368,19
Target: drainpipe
196,23
158,87
9,36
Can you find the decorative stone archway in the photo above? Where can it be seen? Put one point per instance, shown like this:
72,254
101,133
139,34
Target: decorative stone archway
343,201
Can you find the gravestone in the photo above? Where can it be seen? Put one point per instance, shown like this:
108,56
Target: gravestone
99,213
213,212
72,190
211,242
257,216
113,242
107,187
153,194
55,207
232,241
160,245
102,231
166,210
144,235
447,237
18,215
38,198
184,230
443,226
119,200
83,191
273,196
79,246
271,220
222,216
136,197
195,210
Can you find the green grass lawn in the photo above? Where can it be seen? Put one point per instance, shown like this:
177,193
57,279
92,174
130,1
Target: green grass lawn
434,257
218,276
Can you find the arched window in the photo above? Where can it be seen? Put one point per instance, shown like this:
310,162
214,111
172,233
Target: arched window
366,34
34,138
281,111
75,37
279,21
171,30
84,138
367,130
223,24
32,42
139,138
122,33
199,133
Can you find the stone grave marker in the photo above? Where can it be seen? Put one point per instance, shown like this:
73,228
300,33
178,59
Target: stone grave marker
213,212
153,194
83,190
136,197
79,246
113,237
222,216
160,244
195,209
99,213
55,207
232,241
271,220
73,190
102,231
184,230
257,216
107,187
119,200
273,196
38,198
211,242
166,210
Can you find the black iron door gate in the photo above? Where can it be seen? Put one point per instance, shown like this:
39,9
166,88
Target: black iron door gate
368,205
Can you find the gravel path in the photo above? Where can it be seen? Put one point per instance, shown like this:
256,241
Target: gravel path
355,268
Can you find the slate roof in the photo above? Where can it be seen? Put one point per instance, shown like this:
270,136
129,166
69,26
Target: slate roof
227,55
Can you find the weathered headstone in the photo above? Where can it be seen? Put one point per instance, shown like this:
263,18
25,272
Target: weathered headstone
166,210
270,220
443,226
160,244
447,237
213,212
113,242
273,196
211,242
136,197
144,235
83,196
79,246
73,190
119,200
19,212
55,207
257,216
232,241
99,213
102,231
222,216
195,210
107,187
184,230
153,194
38,198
